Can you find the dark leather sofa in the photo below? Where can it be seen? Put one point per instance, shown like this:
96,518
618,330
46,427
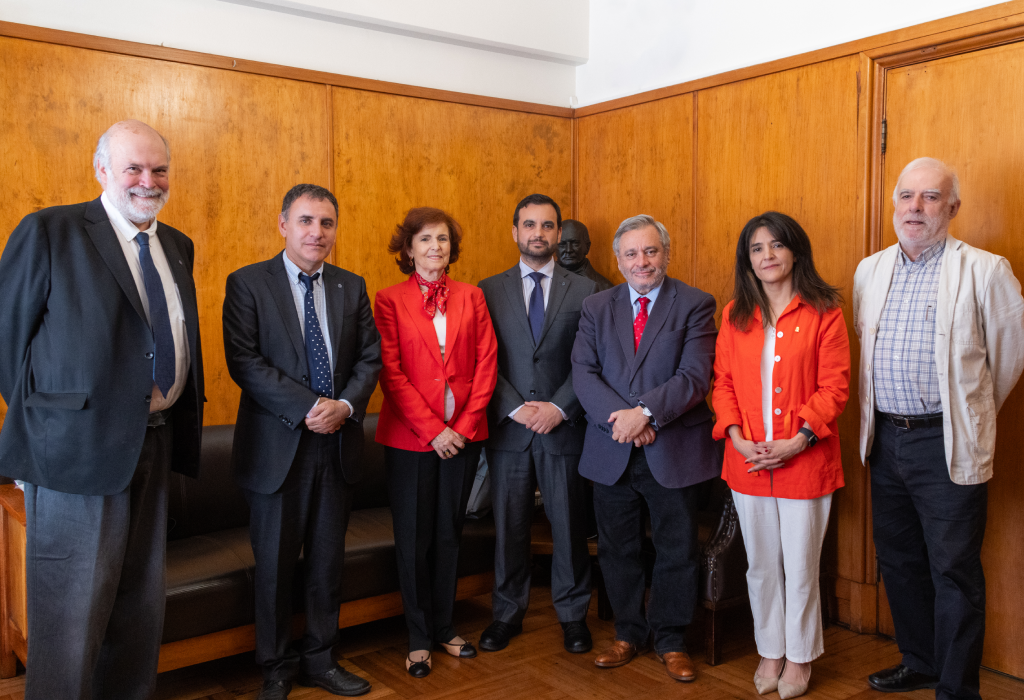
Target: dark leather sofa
210,561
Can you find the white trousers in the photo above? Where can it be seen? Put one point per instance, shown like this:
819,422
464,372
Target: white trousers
783,538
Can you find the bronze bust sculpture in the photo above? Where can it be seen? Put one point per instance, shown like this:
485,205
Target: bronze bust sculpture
573,250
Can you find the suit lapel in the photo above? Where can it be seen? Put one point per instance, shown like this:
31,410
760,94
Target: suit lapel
184,283
281,292
413,298
104,237
560,282
949,286
513,284
453,316
659,314
334,295
622,317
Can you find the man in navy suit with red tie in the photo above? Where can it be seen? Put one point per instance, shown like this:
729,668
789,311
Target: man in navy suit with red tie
641,367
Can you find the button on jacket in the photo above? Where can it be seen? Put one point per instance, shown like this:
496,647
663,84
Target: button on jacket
810,382
979,349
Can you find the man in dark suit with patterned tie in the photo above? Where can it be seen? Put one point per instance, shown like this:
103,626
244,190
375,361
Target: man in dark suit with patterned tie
641,366
536,428
101,368
301,343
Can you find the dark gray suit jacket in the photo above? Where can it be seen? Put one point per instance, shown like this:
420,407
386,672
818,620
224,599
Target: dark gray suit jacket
74,342
535,372
266,356
670,373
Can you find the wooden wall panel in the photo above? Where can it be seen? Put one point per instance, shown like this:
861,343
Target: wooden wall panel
968,111
238,142
638,161
392,153
788,142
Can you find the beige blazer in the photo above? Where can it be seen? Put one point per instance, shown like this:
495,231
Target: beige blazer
979,349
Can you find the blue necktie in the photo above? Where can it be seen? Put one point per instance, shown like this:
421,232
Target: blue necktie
159,318
316,349
537,306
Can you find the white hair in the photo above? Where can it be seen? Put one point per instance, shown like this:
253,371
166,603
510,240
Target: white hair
637,222
917,163
102,155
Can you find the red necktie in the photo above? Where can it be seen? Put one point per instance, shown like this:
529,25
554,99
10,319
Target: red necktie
640,322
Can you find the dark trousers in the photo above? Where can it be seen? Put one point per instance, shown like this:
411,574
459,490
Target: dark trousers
620,528
428,504
96,584
308,514
514,479
928,533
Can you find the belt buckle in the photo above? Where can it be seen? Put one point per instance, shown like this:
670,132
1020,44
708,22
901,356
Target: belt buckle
897,420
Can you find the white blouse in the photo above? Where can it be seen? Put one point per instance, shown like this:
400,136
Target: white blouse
767,366
441,328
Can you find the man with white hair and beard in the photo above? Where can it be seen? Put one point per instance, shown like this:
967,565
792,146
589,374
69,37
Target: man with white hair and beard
941,325
101,368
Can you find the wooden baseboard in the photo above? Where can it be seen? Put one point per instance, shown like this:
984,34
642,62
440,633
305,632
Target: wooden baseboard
856,605
241,639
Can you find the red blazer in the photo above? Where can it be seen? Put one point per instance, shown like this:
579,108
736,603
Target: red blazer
813,373
413,376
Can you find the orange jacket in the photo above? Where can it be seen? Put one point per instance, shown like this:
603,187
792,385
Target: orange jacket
414,375
810,382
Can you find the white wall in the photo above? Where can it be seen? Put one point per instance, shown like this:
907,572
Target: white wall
638,45
260,34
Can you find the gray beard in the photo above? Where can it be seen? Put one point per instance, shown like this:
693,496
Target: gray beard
124,203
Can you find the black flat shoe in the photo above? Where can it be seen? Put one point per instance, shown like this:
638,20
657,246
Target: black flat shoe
460,651
497,635
900,679
418,669
577,638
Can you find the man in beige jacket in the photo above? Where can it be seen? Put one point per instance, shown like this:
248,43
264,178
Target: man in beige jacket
941,325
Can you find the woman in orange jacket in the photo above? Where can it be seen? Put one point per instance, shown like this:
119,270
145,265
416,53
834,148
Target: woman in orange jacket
782,375
440,366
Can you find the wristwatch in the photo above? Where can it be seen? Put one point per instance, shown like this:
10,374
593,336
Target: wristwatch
647,412
812,439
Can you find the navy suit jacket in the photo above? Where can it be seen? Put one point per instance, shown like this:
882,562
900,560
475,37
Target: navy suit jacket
266,356
74,342
670,373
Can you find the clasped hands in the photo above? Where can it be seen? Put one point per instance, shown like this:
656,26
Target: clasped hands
766,455
632,425
539,416
448,443
327,416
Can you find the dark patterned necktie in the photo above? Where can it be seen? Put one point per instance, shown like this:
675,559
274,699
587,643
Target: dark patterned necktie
316,349
159,318
537,306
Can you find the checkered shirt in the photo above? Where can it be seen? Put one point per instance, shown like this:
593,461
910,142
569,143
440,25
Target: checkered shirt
906,382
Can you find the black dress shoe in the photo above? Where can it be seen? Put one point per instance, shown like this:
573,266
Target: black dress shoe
275,690
900,679
337,681
497,635
577,637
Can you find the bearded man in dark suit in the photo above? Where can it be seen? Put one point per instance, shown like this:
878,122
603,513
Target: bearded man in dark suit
101,368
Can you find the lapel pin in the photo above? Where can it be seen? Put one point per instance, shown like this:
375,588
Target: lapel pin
180,262
339,286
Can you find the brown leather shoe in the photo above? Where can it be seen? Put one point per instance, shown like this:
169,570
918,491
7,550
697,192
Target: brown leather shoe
678,665
618,654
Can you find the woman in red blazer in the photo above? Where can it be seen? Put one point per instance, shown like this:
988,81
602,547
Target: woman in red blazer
782,376
440,367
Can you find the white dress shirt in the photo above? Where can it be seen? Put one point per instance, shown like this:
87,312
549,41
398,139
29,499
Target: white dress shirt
126,233
319,304
528,287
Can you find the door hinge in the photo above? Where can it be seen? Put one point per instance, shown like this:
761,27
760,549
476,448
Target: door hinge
885,134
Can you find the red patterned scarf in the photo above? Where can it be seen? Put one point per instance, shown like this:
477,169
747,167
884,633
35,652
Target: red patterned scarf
435,297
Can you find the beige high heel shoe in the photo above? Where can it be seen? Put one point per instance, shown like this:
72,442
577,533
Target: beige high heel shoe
767,685
792,690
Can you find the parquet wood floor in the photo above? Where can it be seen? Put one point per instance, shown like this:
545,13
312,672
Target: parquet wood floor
535,667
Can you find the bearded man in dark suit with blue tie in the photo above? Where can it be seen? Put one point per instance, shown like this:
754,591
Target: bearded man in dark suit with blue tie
301,343
101,368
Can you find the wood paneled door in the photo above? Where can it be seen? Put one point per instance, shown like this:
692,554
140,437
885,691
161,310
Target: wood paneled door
968,110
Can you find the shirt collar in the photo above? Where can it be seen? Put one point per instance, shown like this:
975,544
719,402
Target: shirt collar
926,257
652,295
548,270
126,229
293,269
